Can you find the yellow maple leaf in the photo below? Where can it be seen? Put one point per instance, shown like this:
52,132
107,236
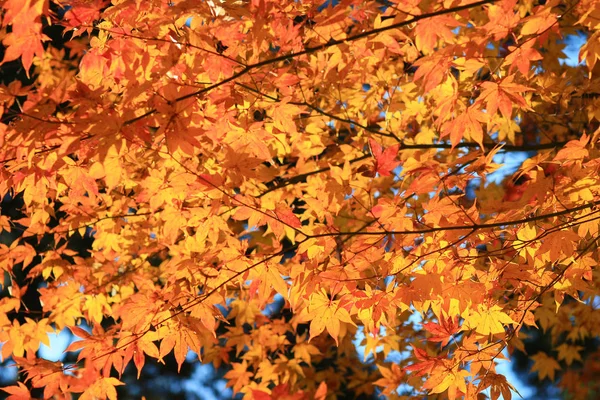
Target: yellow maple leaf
326,314
103,388
96,306
303,350
487,320
453,381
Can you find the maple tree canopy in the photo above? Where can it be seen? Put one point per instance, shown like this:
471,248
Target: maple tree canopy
264,181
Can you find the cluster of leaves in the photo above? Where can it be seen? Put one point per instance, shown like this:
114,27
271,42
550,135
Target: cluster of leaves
264,180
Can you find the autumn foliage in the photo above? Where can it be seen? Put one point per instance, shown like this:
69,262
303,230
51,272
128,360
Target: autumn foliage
264,182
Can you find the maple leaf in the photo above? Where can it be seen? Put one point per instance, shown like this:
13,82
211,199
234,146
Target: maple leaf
432,70
468,124
384,160
44,374
487,321
103,388
499,386
281,391
283,115
19,392
522,57
239,376
392,378
545,365
574,150
183,337
138,349
327,314
539,22
427,363
83,13
429,31
590,51
443,332
286,215
502,96
26,38
264,280
453,381
569,353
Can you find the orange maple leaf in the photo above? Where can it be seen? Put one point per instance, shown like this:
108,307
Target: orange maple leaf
467,124
503,95
545,365
19,392
26,38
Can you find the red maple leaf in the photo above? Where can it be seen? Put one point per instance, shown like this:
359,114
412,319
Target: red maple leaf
384,160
